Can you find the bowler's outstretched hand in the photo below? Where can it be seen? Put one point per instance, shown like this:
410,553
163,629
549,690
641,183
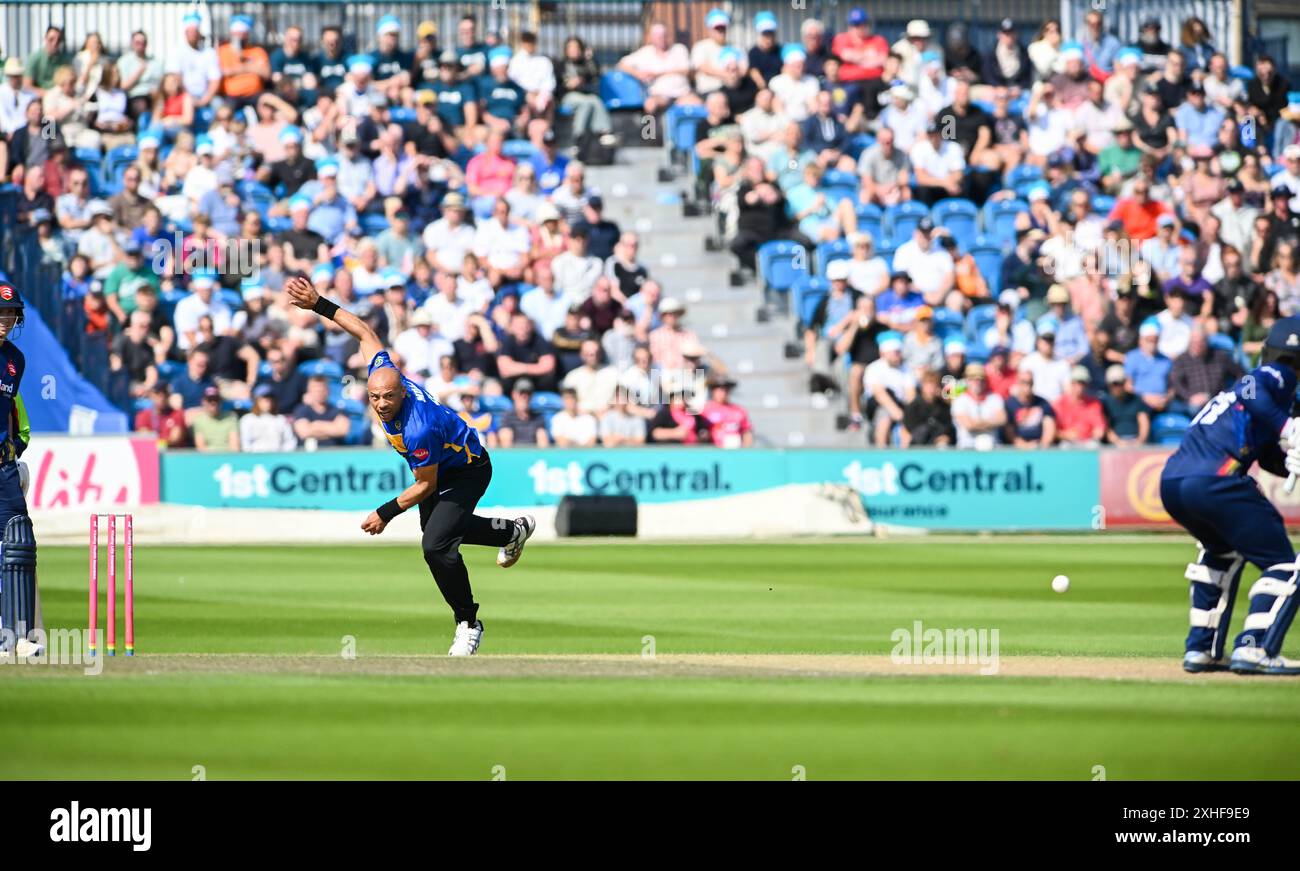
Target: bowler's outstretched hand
302,292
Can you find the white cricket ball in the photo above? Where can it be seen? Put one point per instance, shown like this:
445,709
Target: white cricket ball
1060,583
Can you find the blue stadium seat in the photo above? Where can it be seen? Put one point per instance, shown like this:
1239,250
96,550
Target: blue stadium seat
495,405
231,298
264,369
547,402
87,154
401,114
871,220
374,223
978,320
1000,220
781,263
169,369
828,251
1168,428
858,144
901,220
948,323
839,185
358,431
988,258
959,216
1102,204
1024,187
806,294
116,162
258,197
1240,71
679,122
1023,172
618,90
321,366
1222,342
518,149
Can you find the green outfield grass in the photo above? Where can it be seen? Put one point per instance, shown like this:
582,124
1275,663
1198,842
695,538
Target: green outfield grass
1127,600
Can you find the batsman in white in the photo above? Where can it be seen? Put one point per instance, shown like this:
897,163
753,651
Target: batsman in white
452,471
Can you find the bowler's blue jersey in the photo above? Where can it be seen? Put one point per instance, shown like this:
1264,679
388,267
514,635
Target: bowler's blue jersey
12,366
1239,427
426,432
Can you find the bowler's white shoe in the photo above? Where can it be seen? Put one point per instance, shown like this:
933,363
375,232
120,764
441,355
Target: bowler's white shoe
1255,660
1199,660
26,648
467,639
509,555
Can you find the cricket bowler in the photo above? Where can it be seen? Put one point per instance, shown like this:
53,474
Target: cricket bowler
452,471
1206,489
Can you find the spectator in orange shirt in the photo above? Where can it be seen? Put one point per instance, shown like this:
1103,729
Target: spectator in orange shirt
862,52
966,272
245,68
1139,213
1080,419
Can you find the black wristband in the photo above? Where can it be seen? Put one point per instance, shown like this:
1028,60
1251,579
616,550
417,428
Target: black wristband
388,510
325,308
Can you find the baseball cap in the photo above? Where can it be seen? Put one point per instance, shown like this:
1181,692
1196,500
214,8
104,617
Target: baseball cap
793,52
449,58
1057,294
765,22
393,277
1007,26
1037,192
923,312
203,145
203,279
425,29
890,340
925,225
211,393
290,134
717,18
327,167
1291,152
499,56
523,385
359,63
1115,374
1009,298
262,390
671,305
974,370
242,23
838,270
1122,125
1149,327
131,247
918,28
1196,88
14,67
1150,21
422,96
1235,186
1165,221
148,139
1080,373
388,24
596,202
857,15
954,346
322,272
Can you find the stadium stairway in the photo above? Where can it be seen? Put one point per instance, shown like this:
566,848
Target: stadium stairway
771,387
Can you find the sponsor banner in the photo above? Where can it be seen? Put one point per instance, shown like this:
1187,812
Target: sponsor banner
343,480
996,490
931,489
1130,488
97,474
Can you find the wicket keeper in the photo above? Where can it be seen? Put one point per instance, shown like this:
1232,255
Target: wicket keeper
18,541
1206,489
452,471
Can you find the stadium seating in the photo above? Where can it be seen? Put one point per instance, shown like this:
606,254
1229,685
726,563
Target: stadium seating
988,258
1000,220
828,251
322,366
838,185
1168,428
519,149
547,403
871,220
978,320
948,323
1102,204
619,90
781,263
806,294
959,217
901,221
1222,342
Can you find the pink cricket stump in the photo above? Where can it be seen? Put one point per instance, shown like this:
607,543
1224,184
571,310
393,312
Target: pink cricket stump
94,580
110,613
129,593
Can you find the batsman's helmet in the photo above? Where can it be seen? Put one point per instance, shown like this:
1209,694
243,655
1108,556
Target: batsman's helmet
11,299
1283,342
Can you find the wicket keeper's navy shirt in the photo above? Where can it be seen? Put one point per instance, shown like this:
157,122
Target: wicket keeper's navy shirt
426,432
1239,427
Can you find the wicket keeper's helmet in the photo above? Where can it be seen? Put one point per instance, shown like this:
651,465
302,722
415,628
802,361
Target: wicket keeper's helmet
11,299
1283,342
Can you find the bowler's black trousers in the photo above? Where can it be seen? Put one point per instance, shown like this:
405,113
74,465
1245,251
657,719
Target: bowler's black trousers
448,520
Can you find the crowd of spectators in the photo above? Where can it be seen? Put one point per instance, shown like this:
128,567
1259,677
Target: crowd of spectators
1154,190
420,185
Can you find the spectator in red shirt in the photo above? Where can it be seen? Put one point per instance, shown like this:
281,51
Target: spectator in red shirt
861,51
1139,213
999,372
166,422
728,423
1080,420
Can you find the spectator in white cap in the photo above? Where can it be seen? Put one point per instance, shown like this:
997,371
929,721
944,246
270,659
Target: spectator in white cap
867,271
706,55
827,320
979,413
450,237
1289,177
1008,330
202,301
905,117
392,64
794,89
1161,251
197,63
914,42
889,385
1148,369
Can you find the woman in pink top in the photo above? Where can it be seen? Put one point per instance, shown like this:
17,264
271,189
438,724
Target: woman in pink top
729,425
489,175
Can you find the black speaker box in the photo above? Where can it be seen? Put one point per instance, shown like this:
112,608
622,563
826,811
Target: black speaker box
596,515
